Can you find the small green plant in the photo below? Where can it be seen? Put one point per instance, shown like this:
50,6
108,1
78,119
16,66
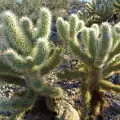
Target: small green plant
28,55
98,49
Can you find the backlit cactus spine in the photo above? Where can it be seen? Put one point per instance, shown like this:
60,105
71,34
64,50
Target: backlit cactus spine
28,55
98,47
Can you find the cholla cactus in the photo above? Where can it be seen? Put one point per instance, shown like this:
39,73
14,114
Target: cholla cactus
28,55
102,8
98,48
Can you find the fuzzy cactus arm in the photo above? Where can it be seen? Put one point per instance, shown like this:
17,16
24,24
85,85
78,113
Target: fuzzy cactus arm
86,97
80,14
63,29
80,25
11,63
76,50
85,38
92,45
116,40
73,22
106,85
68,74
17,80
105,42
51,62
44,23
40,51
41,88
52,92
97,29
14,34
27,27
13,60
112,69
6,70
116,35
115,52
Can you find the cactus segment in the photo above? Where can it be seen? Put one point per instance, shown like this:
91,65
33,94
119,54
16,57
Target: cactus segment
44,23
27,27
80,25
40,51
109,86
105,42
13,60
14,35
63,29
51,62
85,38
76,50
92,48
73,21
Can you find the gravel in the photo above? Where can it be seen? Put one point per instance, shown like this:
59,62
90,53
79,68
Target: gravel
71,95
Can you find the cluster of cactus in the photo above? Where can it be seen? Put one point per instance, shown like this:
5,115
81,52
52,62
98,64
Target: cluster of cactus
117,5
27,56
101,8
98,49
89,19
23,7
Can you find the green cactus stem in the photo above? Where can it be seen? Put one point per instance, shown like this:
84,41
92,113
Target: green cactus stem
86,97
40,51
27,27
44,23
106,85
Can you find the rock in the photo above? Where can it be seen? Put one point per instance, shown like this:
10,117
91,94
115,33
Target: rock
115,79
70,113
115,106
64,110
113,110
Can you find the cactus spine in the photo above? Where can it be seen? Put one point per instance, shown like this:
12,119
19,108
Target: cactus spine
27,55
97,49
